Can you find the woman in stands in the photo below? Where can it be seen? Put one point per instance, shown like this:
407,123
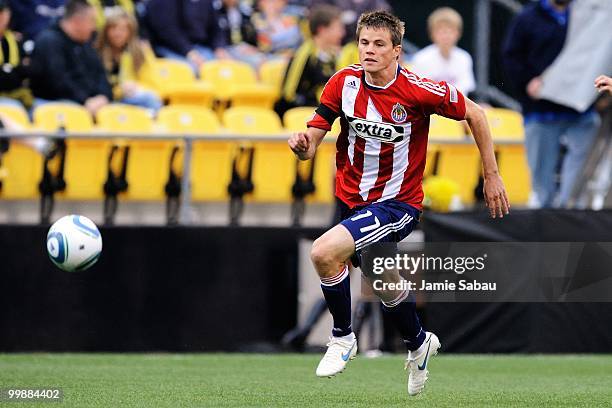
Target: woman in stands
126,60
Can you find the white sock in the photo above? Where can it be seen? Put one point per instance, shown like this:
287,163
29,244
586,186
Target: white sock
416,353
348,337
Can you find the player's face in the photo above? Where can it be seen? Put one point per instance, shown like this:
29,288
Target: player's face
376,51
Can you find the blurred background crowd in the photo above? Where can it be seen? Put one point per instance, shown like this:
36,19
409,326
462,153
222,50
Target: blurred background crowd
278,54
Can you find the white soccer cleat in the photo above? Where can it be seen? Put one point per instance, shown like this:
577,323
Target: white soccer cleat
339,351
417,363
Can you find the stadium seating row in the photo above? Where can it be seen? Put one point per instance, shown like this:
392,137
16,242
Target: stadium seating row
221,81
88,161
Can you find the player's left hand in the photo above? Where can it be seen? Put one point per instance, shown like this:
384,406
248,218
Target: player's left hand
495,196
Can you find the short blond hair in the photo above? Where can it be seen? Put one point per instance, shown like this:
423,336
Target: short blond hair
444,15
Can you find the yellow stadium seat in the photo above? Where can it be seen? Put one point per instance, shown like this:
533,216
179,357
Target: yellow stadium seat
512,161
187,119
505,124
252,95
272,73
236,82
122,118
167,73
22,171
224,73
148,167
86,167
456,161
274,163
432,152
199,93
210,164
176,82
71,117
460,163
249,121
295,118
295,121
21,166
441,128
325,171
335,130
16,114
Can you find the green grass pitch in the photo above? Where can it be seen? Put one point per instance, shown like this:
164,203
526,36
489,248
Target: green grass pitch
246,380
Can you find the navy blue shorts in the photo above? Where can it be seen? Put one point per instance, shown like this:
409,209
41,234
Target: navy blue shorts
386,221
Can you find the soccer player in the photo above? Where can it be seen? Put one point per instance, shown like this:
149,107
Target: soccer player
380,159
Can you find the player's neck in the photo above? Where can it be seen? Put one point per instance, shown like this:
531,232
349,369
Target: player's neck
382,77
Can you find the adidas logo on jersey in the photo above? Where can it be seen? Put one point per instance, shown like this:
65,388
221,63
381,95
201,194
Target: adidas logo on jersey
352,84
384,132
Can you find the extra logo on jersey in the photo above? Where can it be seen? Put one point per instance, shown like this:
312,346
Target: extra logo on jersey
385,132
398,113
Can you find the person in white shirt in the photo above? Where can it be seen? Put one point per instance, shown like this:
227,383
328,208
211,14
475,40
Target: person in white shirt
443,60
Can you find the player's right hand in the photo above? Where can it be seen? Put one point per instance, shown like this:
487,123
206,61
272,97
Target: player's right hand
300,144
495,196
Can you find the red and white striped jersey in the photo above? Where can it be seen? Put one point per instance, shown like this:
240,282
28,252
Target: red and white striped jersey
382,146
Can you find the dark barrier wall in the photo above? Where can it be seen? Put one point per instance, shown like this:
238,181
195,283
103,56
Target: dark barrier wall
153,289
525,327
193,289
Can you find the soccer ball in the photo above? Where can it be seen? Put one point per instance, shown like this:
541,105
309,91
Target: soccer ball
74,243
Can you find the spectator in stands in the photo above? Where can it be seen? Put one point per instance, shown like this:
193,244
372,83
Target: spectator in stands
443,60
351,10
186,30
278,32
30,17
603,83
348,55
314,62
104,6
65,66
239,31
535,39
126,60
14,56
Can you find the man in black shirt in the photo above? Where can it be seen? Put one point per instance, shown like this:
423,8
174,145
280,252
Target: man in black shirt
65,66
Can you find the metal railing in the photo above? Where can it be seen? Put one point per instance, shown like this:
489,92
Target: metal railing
185,206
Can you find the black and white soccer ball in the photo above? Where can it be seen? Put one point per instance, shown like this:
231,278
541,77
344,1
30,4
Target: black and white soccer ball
74,243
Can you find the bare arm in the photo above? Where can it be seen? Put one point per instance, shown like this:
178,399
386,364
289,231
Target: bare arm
494,190
304,144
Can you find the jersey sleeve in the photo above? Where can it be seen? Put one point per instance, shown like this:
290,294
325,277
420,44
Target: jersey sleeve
329,107
441,98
